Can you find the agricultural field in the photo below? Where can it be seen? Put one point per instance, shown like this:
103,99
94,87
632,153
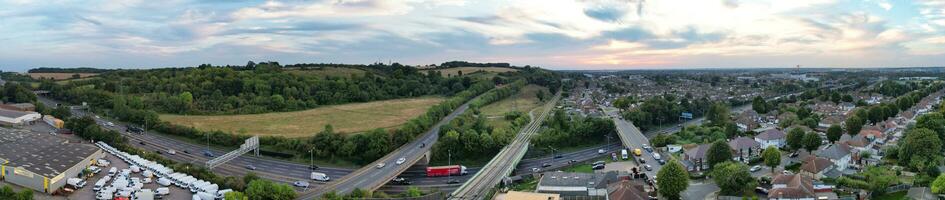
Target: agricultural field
469,70
328,71
524,101
60,76
346,118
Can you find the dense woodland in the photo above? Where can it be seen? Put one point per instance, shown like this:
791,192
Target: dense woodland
662,110
569,130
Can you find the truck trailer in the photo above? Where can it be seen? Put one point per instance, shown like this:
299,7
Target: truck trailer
452,170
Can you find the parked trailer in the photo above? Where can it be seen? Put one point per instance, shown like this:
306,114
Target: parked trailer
53,121
452,170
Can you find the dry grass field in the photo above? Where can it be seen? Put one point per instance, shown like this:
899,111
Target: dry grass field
346,118
60,76
524,101
469,70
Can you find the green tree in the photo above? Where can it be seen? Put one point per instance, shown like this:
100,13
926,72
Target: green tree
772,157
718,115
414,192
854,124
920,149
932,121
811,141
795,138
235,195
61,112
718,152
938,186
879,178
187,98
733,178
759,105
264,189
834,133
672,180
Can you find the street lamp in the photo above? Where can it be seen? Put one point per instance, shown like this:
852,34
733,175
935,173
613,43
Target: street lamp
449,157
312,158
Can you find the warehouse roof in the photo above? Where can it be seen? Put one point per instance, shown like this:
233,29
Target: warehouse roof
13,113
41,153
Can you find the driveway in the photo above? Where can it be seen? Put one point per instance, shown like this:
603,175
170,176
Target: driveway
699,189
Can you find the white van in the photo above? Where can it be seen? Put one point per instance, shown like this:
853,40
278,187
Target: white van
656,156
76,183
164,182
320,176
222,193
624,154
100,184
161,192
135,169
112,171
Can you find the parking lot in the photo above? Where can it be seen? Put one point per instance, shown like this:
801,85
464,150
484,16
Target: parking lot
86,192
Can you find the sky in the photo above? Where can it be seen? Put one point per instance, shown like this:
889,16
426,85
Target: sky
555,34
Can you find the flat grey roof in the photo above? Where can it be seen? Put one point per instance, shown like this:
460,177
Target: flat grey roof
41,153
12,113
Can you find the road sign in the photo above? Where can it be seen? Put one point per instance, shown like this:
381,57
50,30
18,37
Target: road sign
687,115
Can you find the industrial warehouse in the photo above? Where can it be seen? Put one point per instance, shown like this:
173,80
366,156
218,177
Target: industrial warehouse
40,161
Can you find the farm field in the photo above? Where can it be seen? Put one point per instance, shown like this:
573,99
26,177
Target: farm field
524,101
347,118
328,71
60,76
469,70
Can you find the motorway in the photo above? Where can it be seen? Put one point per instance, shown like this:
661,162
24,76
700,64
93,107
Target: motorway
376,174
505,161
272,169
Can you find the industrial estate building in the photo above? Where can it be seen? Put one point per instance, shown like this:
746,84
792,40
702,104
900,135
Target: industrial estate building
17,118
40,161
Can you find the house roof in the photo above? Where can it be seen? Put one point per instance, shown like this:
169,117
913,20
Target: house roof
796,186
815,164
627,190
743,143
770,134
856,140
697,152
871,133
835,151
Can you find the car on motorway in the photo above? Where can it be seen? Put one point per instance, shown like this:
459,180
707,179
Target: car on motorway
452,181
755,168
171,151
401,160
401,181
535,169
601,151
648,167
558,156
250,167
380,165
208,154
543,165
313,167
423,144
303,184
141,142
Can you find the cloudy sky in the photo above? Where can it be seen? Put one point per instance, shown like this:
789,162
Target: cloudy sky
557,34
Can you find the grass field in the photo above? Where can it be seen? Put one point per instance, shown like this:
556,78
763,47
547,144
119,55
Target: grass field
347,118
328,71
469,70
59,76
524,101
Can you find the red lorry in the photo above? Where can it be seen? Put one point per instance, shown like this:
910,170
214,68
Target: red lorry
452,170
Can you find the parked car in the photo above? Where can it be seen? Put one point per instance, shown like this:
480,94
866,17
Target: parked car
648,167
597,167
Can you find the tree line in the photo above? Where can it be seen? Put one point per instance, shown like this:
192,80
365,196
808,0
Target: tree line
662,110
564,130
469,138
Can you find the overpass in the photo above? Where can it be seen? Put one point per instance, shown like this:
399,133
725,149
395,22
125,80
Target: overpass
371,177
503,163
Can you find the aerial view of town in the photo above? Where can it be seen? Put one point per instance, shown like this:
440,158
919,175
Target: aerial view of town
472,100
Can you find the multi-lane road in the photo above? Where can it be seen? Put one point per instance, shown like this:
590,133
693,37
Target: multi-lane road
505,161
373,176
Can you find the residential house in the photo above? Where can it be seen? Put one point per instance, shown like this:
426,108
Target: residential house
627,190
745,148
771,137
817,168
846,107
792,187
840,154
747,120
871,134
694,158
